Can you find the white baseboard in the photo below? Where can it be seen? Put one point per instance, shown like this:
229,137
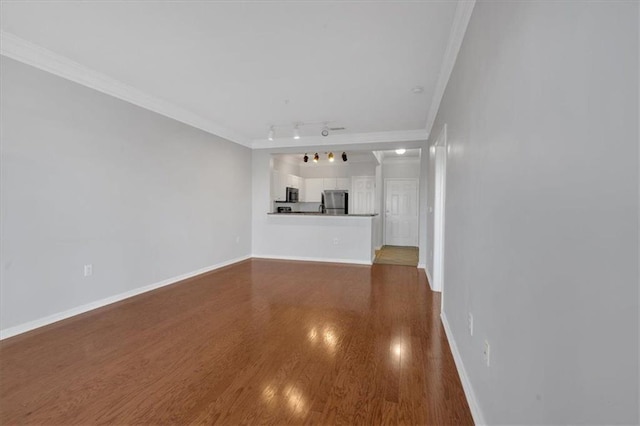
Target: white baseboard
426,270
41,322
378,248
312,259
478,418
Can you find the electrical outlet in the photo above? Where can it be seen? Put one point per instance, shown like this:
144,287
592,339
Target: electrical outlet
487,353
470,324
88,270
336,241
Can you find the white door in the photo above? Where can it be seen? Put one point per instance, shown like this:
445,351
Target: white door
438,217
363,195
401,212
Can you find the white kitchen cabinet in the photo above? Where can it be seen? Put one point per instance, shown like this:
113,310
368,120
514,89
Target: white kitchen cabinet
313,188
336,183
302,193
279,183
343,183
292,181
278,186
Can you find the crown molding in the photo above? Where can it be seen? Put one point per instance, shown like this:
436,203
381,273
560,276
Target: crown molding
347,138
29,53
464,8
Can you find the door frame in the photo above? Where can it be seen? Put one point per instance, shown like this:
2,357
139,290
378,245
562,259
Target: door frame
384,197
439,208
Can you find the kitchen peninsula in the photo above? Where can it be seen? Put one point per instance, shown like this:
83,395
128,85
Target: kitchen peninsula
321,237
302,230
323,214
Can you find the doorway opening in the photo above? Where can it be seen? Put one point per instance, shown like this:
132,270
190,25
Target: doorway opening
396,255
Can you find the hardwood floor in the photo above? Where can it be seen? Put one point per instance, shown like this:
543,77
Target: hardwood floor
259,342
397,255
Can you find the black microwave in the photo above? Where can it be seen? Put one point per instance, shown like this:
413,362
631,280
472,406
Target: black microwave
292,195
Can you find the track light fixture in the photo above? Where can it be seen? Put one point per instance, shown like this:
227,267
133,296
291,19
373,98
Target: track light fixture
271,133
296,131
316,157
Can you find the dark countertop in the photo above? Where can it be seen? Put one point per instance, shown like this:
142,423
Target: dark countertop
322,214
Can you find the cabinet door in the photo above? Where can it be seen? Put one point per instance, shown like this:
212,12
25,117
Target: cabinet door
329,183
302,193
278,192
289,181
343,183
313,189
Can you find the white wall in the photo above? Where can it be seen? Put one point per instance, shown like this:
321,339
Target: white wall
90,179
337,169
286,167
408,168
542,210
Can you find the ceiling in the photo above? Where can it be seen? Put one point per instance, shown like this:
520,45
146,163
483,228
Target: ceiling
236,68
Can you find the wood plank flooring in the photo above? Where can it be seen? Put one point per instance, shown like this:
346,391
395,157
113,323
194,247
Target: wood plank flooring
258,342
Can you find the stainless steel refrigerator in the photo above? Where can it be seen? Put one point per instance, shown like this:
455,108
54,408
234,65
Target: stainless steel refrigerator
335,202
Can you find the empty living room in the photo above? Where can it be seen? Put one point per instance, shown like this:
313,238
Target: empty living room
368,212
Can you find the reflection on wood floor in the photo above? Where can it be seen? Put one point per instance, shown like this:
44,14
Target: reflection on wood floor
397,255
261,341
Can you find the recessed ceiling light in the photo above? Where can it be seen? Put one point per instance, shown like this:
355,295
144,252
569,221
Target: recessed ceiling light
400,151
271,133
417,90
296,132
